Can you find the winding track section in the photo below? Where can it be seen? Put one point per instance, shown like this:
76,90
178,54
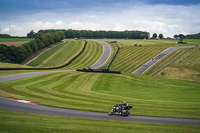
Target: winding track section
6,104
105,56
153,61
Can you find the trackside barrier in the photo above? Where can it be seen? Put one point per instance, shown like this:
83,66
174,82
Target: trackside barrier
158,70
98,71
50,68
113,58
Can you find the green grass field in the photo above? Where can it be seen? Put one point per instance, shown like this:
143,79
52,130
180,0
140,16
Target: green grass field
10,65
58,55
92,91
63,53
92,53
186,68
130,57
149,96
164,61
27,122
15,39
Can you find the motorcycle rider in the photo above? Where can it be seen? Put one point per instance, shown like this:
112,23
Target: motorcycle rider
118,107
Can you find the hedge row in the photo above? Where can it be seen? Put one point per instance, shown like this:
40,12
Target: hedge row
13,54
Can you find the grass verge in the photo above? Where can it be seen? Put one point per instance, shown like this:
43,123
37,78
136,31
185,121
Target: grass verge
27,122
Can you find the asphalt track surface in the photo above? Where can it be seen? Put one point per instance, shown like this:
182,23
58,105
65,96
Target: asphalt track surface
153,61
105,56
25,75
6,104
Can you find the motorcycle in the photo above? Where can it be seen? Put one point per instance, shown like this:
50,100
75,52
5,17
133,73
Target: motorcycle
120,110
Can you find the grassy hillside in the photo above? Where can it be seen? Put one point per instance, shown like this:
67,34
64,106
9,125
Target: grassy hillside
99,92
130,57
92,53
186,68
10,65
58,55
15,39
149,96
164,61
26,122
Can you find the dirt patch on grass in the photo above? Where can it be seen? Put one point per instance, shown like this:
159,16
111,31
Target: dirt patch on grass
17,44
180,73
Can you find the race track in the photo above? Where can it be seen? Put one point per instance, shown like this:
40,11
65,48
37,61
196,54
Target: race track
105,56
153,61
6,104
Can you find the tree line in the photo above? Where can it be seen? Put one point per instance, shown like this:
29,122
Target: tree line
102,34
5,36
13,54
190,36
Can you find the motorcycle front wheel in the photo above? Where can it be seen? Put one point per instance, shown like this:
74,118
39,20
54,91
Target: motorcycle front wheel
125,113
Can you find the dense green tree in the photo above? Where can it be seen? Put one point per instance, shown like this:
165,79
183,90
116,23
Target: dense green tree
45,40
31,34
2,58
39,43
50,38
57,37
13,54
175,36
143,36
33,45
20,54
61,34
160,36
154,36
193,36
181,36
5,36
28,48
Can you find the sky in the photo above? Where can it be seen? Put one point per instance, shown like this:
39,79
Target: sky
167,17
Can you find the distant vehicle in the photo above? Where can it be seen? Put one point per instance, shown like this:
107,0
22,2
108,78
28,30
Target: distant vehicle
113,41
120,109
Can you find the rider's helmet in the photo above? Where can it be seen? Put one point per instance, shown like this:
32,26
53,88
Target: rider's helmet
124,103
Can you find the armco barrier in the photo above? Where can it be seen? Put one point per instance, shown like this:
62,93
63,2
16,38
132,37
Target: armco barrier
98,71
50,68
113,58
